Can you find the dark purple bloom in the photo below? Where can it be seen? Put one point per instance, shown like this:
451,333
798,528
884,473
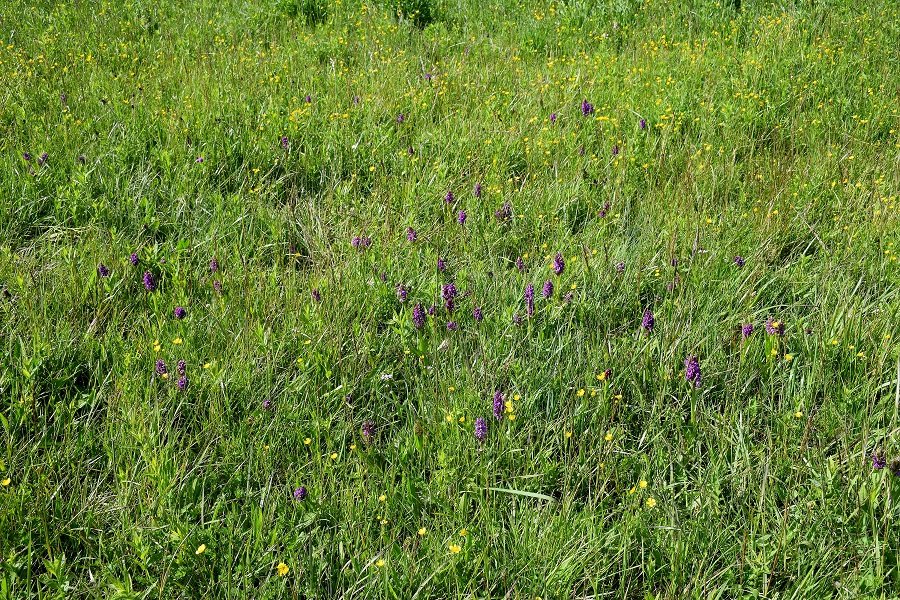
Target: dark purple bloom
411,234
284,142
568,297
267,404
316,295
477,190
368,432
505,213
149,281
498,405
400,118
309,99
746,330
774,327
366,241
520,264
161,367
604,210
26,156
80,159
448,291
449,198
553,118
383,277
182,383
102,270
547,292
134,259
559,264
477,314
586,108
581,151
300,494
517,319
401,292
182,367
692,370
428,76
878,462
615,150
647,322
461,217
180,312
480,429
418,316
43,158
739,261
431,310
355,241
199,159
441,264
642,124
529,299
214,264
450,305
452,326
620,267
217,285
355,99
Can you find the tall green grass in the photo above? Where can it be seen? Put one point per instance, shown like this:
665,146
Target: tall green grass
771,134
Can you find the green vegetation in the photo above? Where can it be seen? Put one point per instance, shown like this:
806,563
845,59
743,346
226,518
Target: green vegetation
267,135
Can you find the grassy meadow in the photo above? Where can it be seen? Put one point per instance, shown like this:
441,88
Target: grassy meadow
449,299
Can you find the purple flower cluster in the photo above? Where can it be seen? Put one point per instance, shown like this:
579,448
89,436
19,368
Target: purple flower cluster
520,264
774,327
448,293
498,405
477,314
418,316
441,264
529,299
504,214
477,190
587,108
411,234
161,368
134,259
746,330
214,264
360,242
316,295
480,429
648,321
739,261
620,267
692,370
368,432
461,217
559,264
401,292
300,494
103,270
180,313
547,292
449,198
149,281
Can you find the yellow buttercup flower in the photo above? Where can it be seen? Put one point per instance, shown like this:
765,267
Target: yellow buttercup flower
455,548
283,569
176,341
307,441
382,498
463,532
200,549
422,531
379,563
608,437
642,484
6,482
334,456
651,503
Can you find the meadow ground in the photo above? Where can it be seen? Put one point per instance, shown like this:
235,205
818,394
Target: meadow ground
463,293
